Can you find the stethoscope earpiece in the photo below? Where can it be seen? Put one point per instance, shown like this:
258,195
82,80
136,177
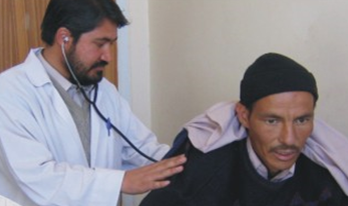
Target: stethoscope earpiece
65,39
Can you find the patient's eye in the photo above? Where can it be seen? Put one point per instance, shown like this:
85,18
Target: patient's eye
271,121
302,120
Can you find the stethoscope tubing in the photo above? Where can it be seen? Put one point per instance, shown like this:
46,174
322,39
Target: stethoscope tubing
107,121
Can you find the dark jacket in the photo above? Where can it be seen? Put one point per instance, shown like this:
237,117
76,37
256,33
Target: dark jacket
226,177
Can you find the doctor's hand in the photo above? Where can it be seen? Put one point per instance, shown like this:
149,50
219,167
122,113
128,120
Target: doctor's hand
152,176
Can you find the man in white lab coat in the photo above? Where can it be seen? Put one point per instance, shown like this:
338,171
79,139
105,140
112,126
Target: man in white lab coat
58,147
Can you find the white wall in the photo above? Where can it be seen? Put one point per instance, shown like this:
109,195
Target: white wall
133,55
199,50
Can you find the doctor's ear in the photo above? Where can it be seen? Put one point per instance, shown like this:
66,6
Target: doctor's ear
243,114
63,36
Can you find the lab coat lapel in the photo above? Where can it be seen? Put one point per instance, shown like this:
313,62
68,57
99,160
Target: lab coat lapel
38,76
95,128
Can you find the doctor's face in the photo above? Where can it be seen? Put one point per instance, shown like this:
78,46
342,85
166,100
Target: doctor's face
278,127
89,56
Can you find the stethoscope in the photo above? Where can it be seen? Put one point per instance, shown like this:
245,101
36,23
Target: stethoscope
109,124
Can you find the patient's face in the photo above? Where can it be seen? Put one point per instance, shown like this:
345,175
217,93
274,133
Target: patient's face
279,126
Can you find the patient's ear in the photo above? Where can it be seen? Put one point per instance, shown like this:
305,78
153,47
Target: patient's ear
242,114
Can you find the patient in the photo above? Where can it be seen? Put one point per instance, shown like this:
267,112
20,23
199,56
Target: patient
277,102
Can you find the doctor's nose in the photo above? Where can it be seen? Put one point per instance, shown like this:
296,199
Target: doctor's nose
106,55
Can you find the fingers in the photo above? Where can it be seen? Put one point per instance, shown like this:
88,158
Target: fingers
167,168
152,176
159,184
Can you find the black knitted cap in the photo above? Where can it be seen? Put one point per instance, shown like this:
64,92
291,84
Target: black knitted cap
274,73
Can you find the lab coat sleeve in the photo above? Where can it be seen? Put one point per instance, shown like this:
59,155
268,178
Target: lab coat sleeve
7,202
145,141
135,131
42,179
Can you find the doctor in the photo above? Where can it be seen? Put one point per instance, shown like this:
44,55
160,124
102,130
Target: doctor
54,147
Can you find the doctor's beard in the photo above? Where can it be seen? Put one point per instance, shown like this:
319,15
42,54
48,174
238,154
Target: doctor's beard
85,74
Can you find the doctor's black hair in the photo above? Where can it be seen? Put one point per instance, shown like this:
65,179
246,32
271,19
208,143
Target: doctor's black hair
79,16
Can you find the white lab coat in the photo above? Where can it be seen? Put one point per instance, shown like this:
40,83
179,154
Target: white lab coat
7,202
41,155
